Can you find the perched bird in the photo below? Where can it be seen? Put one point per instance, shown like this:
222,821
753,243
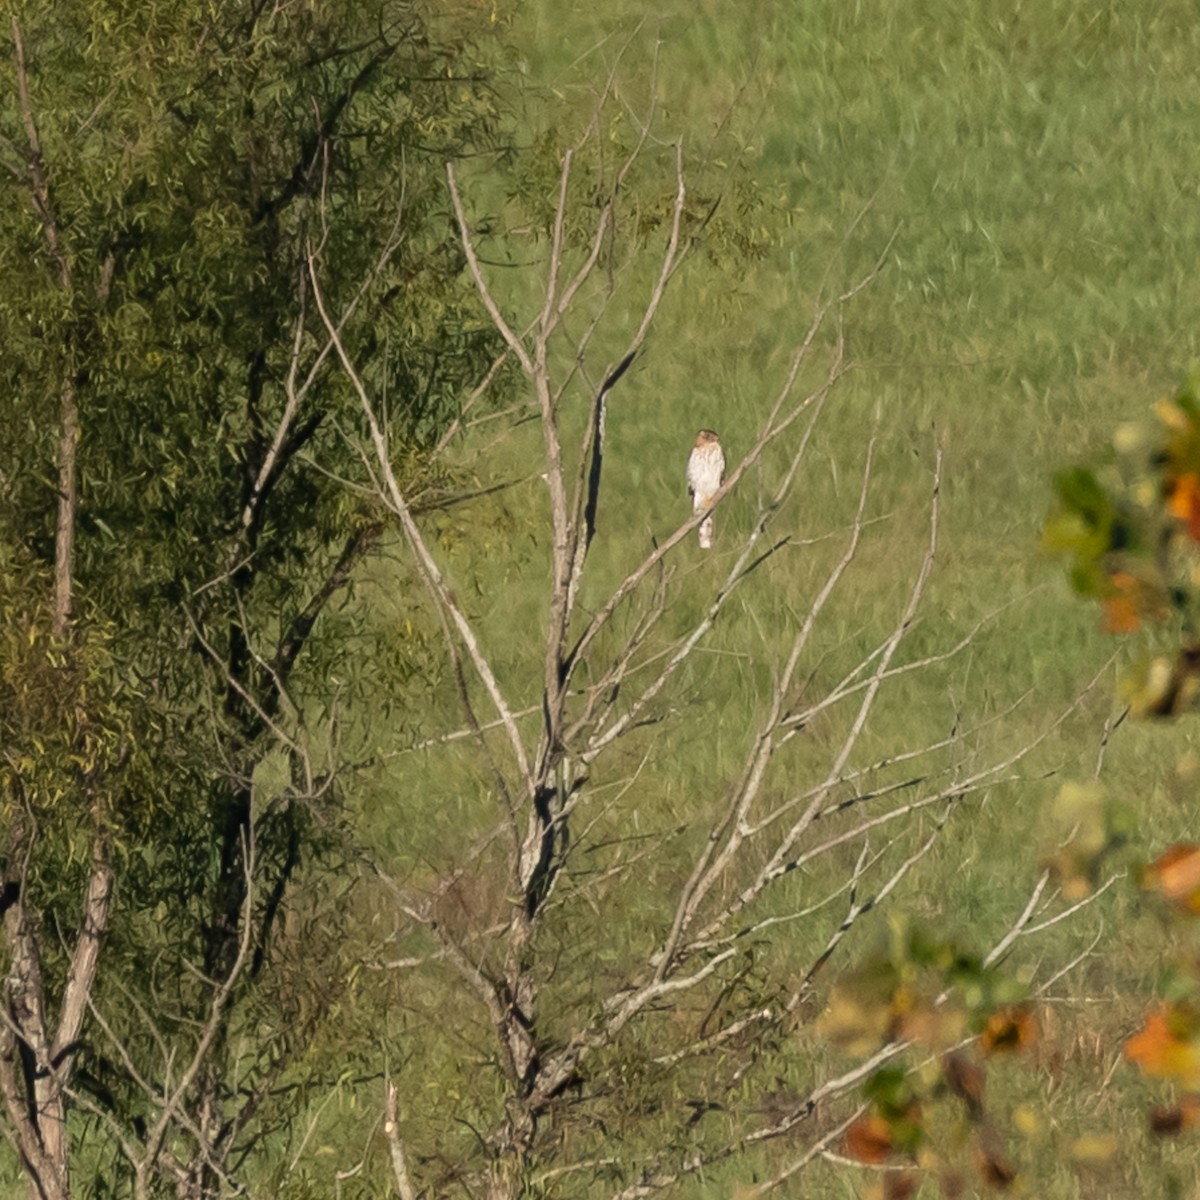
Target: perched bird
705,473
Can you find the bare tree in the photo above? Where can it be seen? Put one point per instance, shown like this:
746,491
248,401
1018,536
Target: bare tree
562,836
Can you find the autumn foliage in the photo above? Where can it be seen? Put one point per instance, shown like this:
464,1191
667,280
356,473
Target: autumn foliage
1130,530
948,1014
1175,875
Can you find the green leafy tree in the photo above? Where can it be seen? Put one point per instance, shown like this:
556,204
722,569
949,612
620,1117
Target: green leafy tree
171,531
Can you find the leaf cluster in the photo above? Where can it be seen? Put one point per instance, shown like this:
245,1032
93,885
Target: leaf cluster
220,153
955,1012
1131,534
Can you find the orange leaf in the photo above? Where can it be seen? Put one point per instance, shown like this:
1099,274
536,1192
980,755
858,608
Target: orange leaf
1184,503
1166,1046
868,1140
1151,1047
1121,609
1176,875
1179,502
1013,1027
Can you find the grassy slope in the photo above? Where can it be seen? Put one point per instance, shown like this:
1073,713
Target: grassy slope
1031,163
1035,165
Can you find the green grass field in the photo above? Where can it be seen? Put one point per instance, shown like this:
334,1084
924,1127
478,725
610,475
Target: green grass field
1032,169
1027,172
1017,178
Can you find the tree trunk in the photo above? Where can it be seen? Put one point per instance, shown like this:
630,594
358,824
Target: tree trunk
35,1069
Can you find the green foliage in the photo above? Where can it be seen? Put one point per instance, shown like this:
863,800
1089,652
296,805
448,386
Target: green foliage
80,742
951,1013
203,167
219,155
1084,529
1132,536
925,989
1133,540
1085,826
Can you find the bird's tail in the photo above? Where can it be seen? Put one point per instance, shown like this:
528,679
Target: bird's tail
706,532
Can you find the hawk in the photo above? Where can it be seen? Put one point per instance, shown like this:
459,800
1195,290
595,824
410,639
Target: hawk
705,473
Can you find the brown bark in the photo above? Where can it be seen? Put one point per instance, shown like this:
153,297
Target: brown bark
64,526
35,1065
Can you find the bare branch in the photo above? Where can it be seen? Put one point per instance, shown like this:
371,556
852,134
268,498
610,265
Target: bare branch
84,960
68,408
173,1101
515,344
391,1128
430,571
